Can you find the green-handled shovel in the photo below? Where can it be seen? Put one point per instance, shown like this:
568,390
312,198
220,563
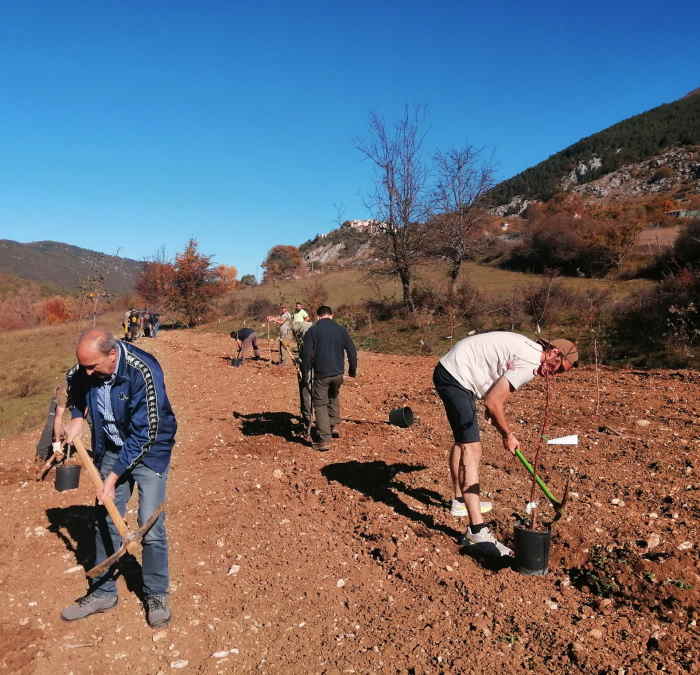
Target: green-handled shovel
558,504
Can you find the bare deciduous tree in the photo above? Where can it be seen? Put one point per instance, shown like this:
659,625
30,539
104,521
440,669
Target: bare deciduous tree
398,201
457,233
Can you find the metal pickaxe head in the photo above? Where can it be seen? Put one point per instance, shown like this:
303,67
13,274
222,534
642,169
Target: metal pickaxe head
129,543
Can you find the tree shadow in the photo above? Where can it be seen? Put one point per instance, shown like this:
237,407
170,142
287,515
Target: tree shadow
376,480
283,424
75,527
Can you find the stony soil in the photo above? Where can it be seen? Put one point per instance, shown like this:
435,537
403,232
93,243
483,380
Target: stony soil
284,559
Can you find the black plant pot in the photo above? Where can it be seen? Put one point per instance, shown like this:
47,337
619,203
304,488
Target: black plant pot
531,551
67,477
401,417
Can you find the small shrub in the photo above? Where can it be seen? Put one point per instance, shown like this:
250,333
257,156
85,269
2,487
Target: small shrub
428,299
384,309
315,295
468,300
665,320
231,306
546,302
27,385
261,308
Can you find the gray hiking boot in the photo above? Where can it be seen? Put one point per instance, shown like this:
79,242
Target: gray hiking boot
485,543
87,605
157,611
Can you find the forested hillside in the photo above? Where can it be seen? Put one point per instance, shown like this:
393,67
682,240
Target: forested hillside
632,140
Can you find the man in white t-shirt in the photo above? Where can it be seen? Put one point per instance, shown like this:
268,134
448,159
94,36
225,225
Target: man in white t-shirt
488,366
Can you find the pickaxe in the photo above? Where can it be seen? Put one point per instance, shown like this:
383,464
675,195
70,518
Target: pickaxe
558,504
130,540
54,459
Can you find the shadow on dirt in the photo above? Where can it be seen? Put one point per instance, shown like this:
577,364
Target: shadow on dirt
377,480
75,527
488,557
282,424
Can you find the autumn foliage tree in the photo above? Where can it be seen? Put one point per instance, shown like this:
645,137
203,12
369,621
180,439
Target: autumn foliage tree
155,283
282,262
195,285
228,276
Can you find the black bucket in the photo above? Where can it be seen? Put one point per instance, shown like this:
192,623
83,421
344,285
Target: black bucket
236,363
401,417
67,477
531,551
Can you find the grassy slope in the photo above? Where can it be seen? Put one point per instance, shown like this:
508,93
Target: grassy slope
349,287
422,335
36,360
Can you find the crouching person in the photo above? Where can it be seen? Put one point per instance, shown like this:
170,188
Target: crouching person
122,389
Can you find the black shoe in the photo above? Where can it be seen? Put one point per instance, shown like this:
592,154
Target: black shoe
335,433
322,446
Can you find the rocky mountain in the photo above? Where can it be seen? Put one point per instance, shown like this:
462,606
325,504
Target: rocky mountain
654,154
348,245
666,136
66,266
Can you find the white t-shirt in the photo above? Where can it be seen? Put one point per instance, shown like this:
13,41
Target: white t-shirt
477,362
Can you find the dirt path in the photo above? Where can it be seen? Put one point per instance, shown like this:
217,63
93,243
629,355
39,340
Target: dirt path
287,560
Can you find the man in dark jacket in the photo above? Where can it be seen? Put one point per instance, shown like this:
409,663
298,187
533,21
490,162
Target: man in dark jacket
325,346
122,389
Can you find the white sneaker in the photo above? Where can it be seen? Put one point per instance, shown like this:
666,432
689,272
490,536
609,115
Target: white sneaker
459,509
485,542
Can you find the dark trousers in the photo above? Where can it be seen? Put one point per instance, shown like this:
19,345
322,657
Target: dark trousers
305,404
325,395
252,342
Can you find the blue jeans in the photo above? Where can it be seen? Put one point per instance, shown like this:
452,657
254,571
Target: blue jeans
151,488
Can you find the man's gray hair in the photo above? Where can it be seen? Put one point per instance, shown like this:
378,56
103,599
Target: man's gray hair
105,341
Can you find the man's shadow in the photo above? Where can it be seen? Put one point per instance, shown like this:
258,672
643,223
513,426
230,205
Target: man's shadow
283,424
377,480
75,527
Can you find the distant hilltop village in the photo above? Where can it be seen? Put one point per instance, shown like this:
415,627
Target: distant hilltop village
367,226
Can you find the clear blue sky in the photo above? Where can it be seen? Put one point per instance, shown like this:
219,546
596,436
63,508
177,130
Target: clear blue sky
127,126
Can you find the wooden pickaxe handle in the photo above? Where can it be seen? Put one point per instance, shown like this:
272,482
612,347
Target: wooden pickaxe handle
294,358
109,504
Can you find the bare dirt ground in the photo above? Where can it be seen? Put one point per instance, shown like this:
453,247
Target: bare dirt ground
288,560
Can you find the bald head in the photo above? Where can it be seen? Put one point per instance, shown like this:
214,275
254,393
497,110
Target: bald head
97,352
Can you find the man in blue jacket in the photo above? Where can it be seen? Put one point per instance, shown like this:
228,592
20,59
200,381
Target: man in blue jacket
325,346
122,389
